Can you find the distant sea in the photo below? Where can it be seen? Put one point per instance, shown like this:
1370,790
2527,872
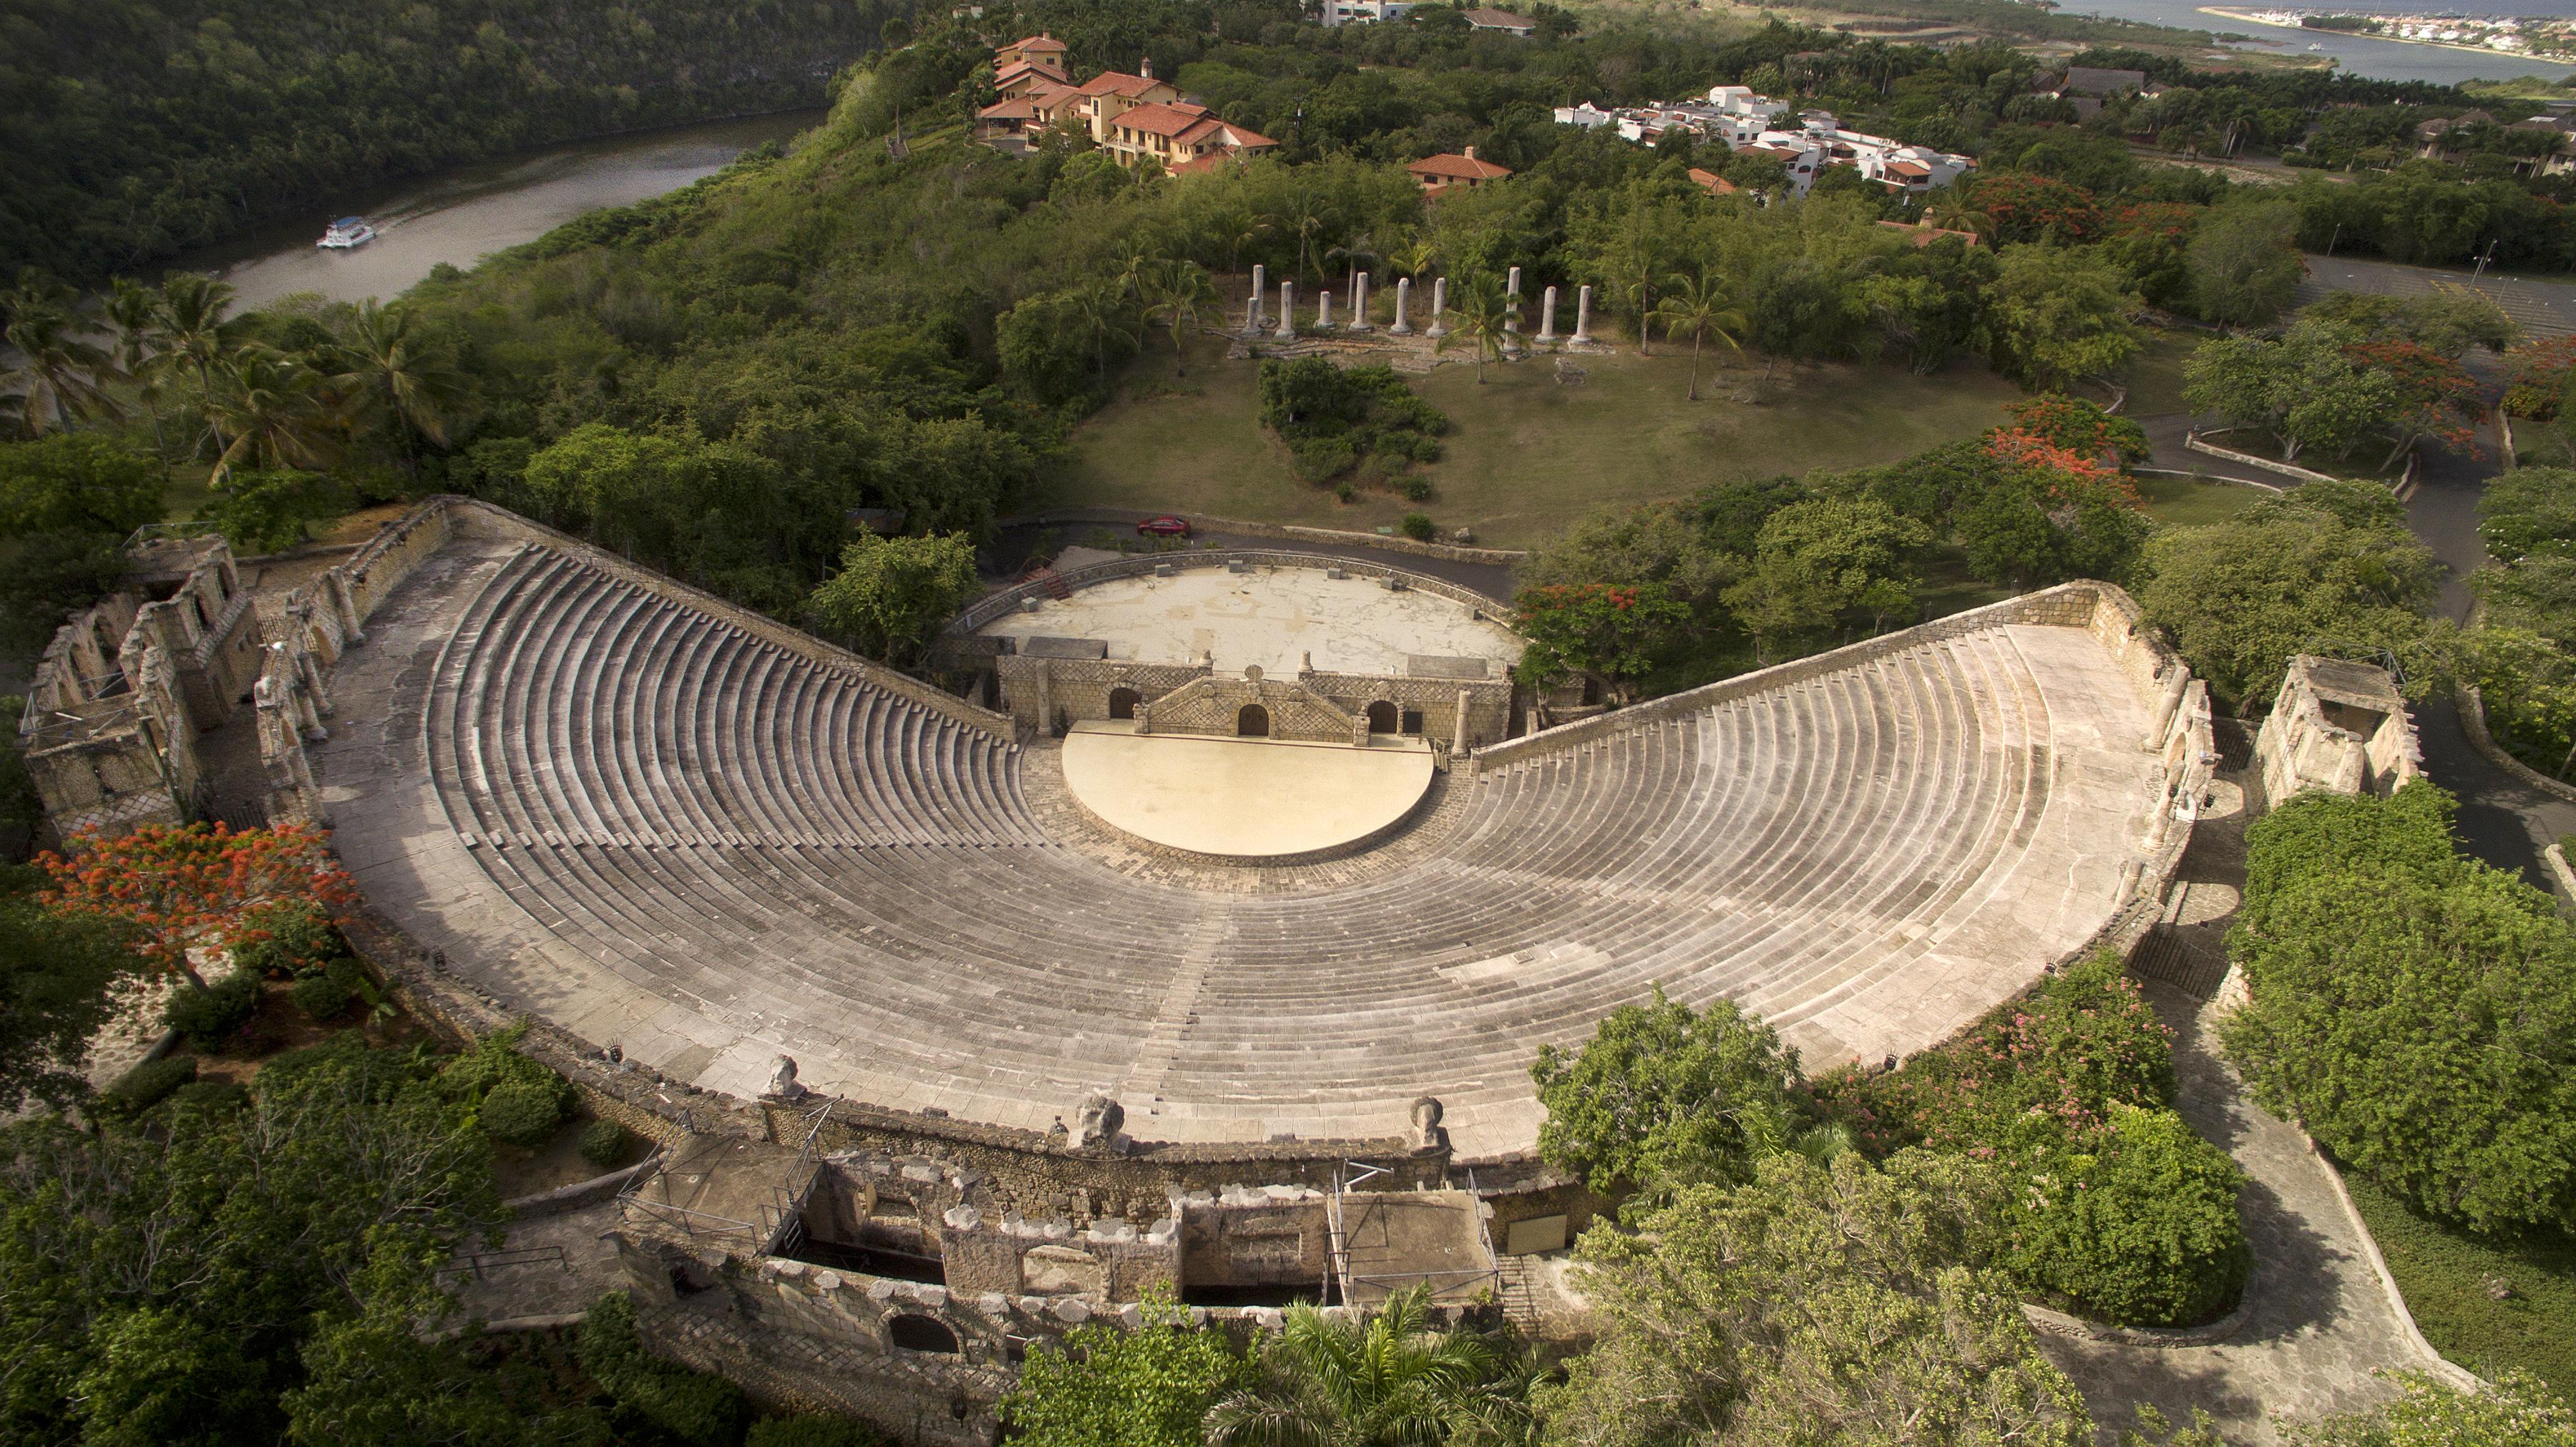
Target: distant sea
2379,59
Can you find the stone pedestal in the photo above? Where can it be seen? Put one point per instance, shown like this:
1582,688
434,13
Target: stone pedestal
1512,316
1403,295
1252,316
1439,308
1547,317
1260,289
1359,303
1287,312
1583,317
1323,311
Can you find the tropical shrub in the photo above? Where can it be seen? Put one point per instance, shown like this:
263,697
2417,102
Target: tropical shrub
522,1112
1664,1096
209,1016
146,1085
603,1144
2519,1411
2136,1224
2415,1010
281,939
1105,1386
1331,417
321,996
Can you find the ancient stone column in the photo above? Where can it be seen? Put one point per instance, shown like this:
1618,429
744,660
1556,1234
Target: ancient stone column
1260,289
1583,316
1359,303
1252,315
1439,308
1403,294
1287,312
1547,317
1512,319
1323,311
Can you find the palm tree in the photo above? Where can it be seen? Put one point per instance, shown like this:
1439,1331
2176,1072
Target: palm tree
1180,291
1414,256
197,332
1481,313
134,311
267,409
1390,1381
1233,229
391,372
59,378
1360,247
1701,306
1101,310
1309,216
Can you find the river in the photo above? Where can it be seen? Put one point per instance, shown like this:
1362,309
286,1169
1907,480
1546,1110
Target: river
2361,55
465,213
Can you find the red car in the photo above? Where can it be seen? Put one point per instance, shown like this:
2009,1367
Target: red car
1166,526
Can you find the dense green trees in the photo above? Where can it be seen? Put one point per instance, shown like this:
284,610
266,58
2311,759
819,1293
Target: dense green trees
1393,1378
2518,1411
1337,420
1664,1096
1106,1386
1818,1303
141,126
2415,1010
892,594
2519,653
2330,568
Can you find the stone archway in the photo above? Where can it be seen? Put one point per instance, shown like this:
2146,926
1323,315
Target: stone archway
1253,722
1123,701
1382,717
922,1334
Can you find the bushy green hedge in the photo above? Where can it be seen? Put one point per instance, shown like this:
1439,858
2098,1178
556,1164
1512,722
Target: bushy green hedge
514,1098
146,1085
1332,418
285,938
2138,1224
209,1017
2116,1208
603,1144
2414,1009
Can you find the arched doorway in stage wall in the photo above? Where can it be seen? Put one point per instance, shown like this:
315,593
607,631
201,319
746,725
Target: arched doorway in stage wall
1381,717
1252,723
1123,701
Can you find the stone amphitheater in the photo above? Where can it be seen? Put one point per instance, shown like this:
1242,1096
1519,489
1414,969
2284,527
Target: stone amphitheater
678,829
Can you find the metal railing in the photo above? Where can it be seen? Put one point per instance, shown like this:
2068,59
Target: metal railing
482,1262
151,533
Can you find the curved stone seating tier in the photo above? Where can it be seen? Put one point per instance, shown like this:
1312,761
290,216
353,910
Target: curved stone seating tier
628,813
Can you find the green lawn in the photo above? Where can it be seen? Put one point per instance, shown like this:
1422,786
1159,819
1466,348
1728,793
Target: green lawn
2182,502
1524,456
2443,1273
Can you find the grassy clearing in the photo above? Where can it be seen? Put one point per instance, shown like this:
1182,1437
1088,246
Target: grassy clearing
1524,456
2183,502
2444,1273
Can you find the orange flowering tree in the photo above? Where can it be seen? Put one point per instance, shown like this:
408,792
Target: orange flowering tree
2080,427
172,890
2044,512
1595,627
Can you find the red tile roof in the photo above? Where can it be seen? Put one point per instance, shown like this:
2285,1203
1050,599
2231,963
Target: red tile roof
1036,42
1458,168
1115,82
1164,118
1716,184
1029,67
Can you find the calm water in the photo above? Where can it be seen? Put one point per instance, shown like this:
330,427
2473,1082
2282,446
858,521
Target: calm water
2378,59
461,215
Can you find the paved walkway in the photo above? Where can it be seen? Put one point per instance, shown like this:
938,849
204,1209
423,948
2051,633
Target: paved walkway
2166,432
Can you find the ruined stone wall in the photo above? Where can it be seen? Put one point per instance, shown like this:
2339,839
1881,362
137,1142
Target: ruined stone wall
2338,726
1488,702
1043,694
107,734
1215,706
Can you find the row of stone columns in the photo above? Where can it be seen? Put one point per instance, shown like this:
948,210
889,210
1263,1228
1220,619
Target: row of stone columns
1255,322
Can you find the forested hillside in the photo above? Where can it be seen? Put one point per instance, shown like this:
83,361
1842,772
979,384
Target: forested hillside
137,127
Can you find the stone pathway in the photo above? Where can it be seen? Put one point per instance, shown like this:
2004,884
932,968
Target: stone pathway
547,1266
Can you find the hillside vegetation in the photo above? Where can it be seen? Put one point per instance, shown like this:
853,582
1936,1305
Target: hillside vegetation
135,128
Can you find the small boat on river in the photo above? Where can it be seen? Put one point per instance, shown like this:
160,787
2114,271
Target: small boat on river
346,234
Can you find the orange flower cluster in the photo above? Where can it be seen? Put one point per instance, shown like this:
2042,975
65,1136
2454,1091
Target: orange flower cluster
183,888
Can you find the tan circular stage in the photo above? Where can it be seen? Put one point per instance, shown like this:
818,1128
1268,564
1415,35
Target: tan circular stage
1243,798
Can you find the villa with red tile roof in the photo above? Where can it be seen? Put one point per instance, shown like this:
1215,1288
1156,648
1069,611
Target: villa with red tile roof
1182,135
1453,171
1038,49
1112,93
